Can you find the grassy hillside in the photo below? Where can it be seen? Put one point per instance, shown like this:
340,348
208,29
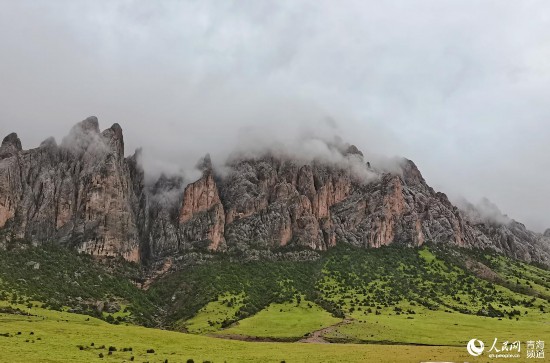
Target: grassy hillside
284,321
391,294
433,295
213,316
260,283
62,279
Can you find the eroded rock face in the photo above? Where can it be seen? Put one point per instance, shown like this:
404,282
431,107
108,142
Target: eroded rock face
514,240
199,196
273,202
10,177
161,209
202,216
79,193
85,194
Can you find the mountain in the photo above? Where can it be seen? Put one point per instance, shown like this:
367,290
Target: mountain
85,194
270,246
79,193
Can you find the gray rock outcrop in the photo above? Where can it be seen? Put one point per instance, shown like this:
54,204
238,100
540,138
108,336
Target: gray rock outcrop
83,193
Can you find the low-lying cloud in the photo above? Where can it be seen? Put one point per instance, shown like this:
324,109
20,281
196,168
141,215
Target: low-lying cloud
460,87
484,211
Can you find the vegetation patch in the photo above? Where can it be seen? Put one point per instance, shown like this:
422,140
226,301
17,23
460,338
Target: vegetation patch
63,333
284,320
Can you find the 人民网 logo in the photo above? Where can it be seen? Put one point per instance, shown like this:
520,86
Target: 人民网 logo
475,347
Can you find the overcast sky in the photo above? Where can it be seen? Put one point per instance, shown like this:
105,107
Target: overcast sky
460,87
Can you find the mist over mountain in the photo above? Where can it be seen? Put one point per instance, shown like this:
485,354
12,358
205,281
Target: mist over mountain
458,88
85,194
274,181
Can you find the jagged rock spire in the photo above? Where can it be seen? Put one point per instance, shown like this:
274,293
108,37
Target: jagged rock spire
12,140
205,164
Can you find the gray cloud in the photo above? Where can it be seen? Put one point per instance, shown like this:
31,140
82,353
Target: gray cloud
483,211
460,87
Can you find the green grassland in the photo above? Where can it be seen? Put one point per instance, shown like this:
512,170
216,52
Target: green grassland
285,321
213,316
437,328
525,277
413,296
52,336
390,300
439,304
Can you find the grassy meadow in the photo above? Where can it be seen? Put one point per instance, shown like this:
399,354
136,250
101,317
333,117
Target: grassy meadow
392,304
284,321
52,336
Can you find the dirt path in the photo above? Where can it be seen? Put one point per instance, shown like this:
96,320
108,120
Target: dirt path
314,337
318,335
247,338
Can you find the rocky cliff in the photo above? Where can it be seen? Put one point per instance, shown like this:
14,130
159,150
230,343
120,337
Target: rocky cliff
78,193
84,193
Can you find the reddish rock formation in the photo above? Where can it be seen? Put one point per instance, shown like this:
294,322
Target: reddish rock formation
79,193
9,177
85,194
199,196
201,203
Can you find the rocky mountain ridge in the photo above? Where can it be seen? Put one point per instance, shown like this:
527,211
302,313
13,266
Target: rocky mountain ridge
85,194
